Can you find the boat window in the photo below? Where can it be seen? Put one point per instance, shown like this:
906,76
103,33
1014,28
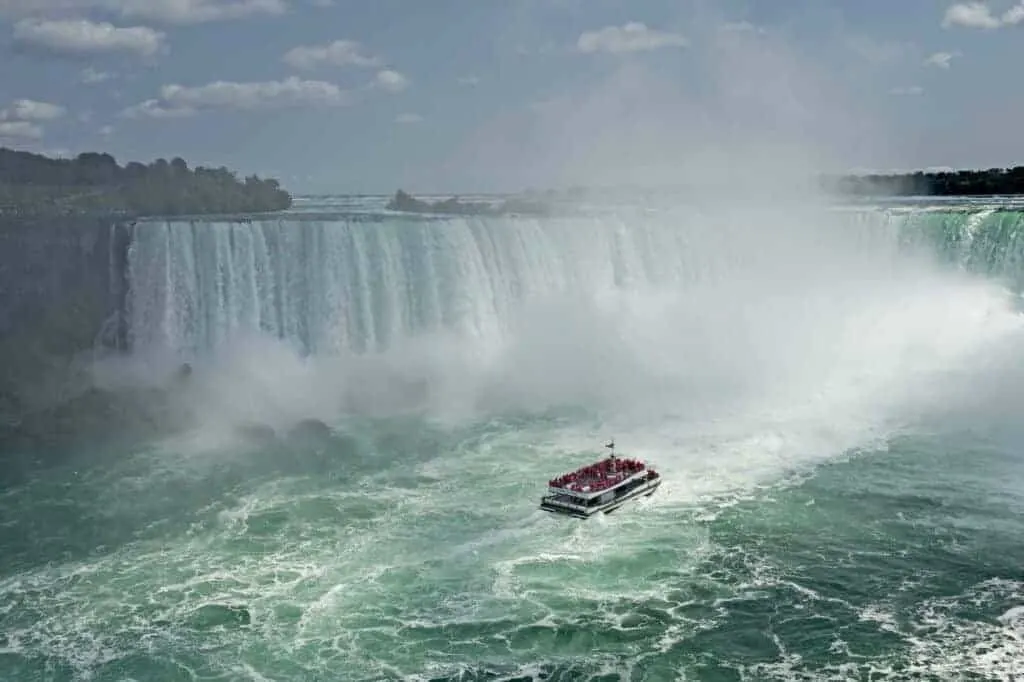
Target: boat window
569,499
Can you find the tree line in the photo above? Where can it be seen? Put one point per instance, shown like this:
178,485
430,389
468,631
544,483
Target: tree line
992,181
94,182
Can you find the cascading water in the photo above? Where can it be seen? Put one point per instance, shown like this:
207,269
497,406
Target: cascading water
376,401
539,311
327,285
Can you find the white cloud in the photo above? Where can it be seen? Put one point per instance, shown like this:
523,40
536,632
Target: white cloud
198,11
21,120
980,15
469,81
941,59
153,108
391,80
971,15
907,91
81,38
91,76
31,110
408,118
106,131
161,11
178,101
21,130
1014,15
630,37
338,53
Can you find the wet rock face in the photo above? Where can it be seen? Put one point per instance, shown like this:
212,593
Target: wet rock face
74,265
64,285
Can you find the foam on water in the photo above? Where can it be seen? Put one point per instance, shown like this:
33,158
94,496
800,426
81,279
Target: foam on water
386,580
469,361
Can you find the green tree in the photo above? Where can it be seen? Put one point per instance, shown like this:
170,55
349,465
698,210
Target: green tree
94,182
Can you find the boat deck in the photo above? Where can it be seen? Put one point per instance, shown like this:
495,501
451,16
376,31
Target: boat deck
601,475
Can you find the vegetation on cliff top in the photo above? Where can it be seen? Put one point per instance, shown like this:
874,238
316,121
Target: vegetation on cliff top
993,181
33,184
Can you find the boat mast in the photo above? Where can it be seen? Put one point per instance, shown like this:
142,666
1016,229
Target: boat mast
611,446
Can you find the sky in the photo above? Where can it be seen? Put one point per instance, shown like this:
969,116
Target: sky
359,96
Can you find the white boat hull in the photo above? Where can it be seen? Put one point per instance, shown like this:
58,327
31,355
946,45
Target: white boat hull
559,504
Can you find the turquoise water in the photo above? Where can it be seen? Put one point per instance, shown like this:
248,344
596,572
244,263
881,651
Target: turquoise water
842,495
891,562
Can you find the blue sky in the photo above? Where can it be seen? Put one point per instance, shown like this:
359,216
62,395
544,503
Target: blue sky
479,95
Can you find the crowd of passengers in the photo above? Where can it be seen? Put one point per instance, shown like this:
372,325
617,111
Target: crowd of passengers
600,476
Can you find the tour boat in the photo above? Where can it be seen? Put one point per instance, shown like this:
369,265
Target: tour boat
603,486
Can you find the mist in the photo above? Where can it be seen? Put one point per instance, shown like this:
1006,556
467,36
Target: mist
749,297
762,317
739,113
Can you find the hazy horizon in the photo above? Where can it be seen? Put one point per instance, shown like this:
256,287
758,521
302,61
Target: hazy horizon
343,97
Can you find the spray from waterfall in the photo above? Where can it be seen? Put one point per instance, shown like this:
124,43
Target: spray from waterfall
695,312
